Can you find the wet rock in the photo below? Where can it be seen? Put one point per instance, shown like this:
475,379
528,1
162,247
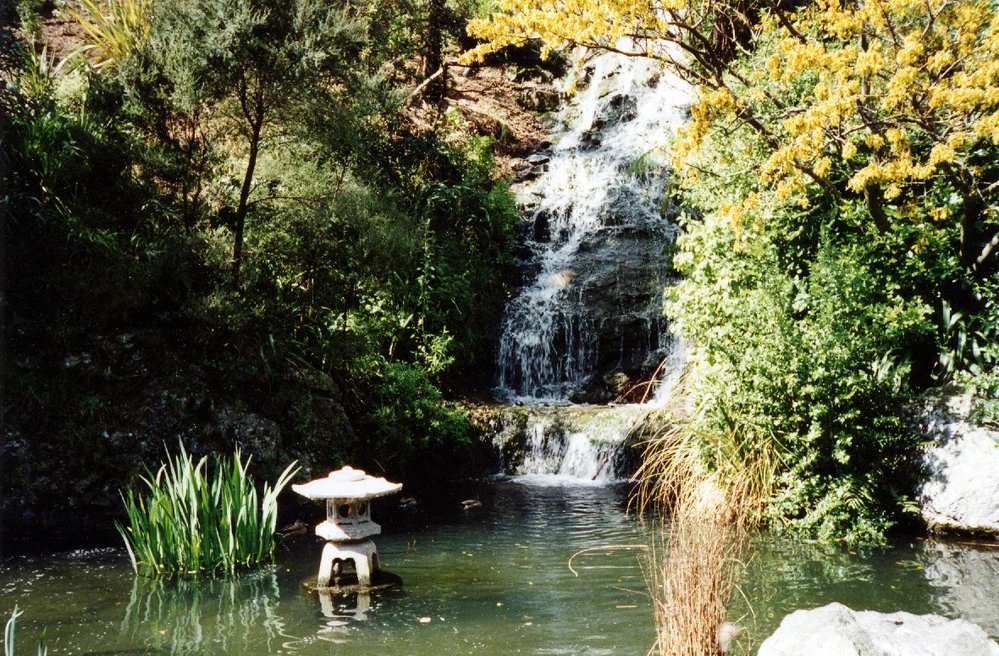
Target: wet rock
525,175
961,490
622,108
835,630
583,442
317,381
538,99
542,227
618,382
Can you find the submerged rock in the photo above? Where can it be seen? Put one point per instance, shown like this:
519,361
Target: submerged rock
835,630
961,490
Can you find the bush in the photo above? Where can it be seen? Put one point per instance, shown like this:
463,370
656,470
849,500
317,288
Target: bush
804,338
414,429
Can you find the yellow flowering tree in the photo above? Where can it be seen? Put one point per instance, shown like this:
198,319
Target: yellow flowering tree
876,99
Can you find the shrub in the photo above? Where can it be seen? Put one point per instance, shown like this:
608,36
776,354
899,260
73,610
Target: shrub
195,521
414,429
115,29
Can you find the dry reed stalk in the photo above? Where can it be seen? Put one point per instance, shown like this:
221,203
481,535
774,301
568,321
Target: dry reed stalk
695,562
693,569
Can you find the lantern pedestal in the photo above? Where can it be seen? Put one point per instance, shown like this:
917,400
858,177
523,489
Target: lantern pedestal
363,555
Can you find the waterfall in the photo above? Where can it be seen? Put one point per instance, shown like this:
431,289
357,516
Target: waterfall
590,323
568,443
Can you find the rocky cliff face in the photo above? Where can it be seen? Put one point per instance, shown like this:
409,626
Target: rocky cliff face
93,420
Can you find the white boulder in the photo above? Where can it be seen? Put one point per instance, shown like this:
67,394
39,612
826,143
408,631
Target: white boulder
835,630
961,489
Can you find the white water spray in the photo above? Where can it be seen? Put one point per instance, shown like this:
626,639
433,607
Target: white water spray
600,236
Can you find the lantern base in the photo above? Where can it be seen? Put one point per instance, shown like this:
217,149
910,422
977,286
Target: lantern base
340,557
380,580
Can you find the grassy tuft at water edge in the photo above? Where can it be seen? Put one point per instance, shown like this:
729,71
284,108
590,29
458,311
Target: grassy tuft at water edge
195,518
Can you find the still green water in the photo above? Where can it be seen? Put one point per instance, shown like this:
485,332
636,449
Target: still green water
495,580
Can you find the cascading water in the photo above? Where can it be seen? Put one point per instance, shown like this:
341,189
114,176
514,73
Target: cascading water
566,443
591,321
590,324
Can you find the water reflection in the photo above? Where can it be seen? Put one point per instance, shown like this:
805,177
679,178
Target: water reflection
964,578
953,580
196,616
340,609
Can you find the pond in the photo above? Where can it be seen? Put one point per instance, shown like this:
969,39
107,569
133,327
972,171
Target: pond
538,569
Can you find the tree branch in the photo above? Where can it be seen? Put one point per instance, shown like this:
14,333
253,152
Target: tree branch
987,251
421,87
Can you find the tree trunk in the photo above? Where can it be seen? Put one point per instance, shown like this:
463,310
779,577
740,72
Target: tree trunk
244,192
872,196
4,175
970,245
435,45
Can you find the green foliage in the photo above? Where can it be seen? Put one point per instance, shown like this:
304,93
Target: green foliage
969,351
194,520
29,15
804,336
372,254
414,430
969,343
115,29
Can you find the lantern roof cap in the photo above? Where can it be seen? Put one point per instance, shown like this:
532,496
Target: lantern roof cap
347,483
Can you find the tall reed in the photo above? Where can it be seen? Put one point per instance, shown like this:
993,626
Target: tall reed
694,566
193,520
10,634
697,557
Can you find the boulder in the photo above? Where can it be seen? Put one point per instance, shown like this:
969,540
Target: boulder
960,493
835,630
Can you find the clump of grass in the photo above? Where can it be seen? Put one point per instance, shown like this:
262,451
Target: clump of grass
695,562
697,558
196,520
115,28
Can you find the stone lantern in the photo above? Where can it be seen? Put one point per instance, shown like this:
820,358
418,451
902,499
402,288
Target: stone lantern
348,526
